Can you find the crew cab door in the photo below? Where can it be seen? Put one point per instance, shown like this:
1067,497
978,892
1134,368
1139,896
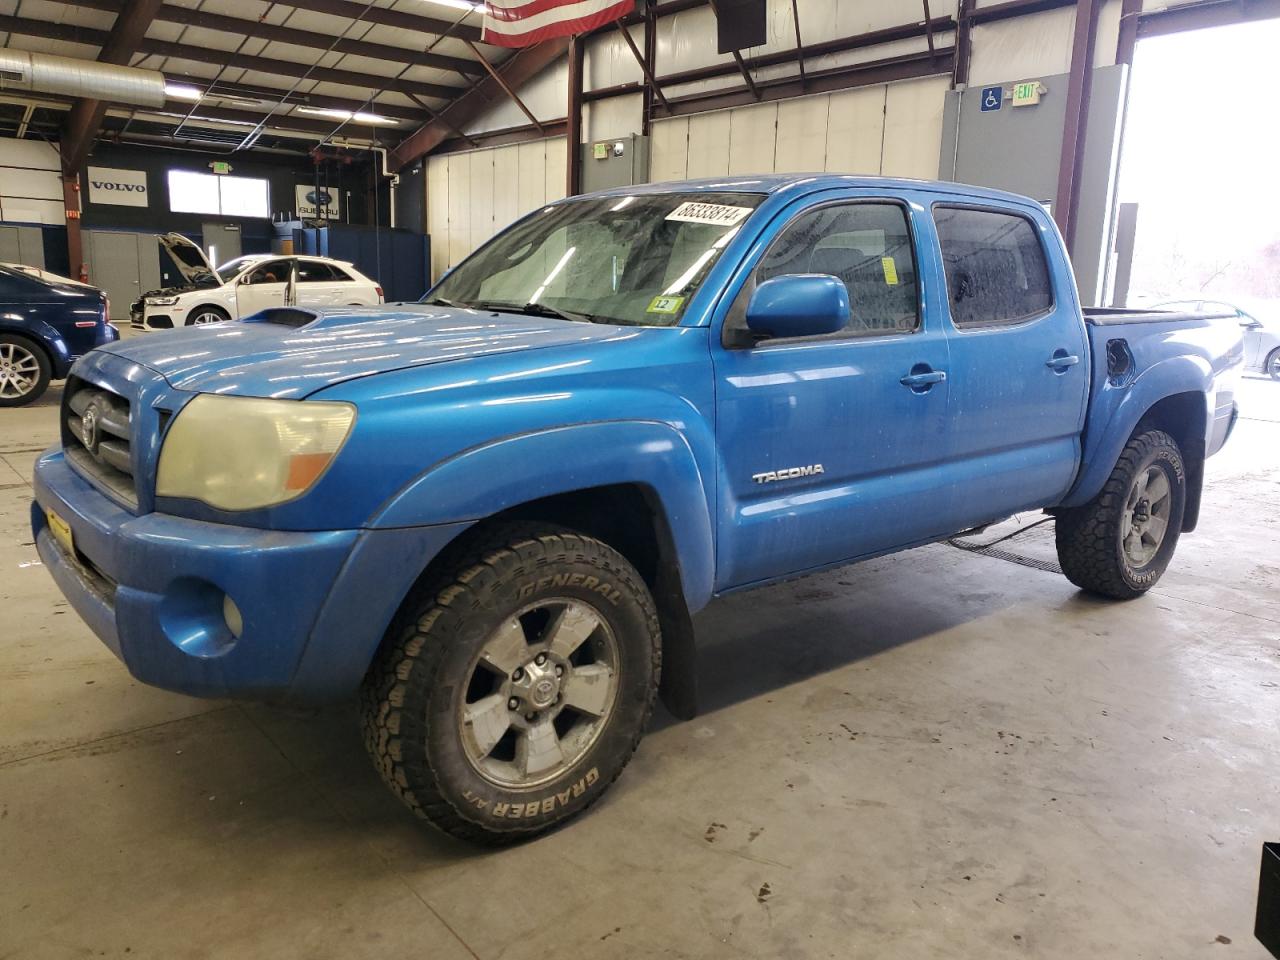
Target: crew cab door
266,285
1019,359
831,445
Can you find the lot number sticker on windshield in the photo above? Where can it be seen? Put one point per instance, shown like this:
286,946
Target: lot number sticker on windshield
890,271
663,304
713,213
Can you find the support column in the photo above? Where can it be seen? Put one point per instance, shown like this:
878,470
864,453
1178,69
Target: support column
71,208
573,131
1077,120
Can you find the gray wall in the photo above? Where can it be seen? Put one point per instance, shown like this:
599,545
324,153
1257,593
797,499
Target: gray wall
1019,149
22,245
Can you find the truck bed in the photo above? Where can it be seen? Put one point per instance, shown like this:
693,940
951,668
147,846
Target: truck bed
1112,316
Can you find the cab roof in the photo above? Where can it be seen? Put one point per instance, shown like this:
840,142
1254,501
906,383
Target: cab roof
804,183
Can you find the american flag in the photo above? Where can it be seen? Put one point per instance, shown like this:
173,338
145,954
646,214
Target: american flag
519,23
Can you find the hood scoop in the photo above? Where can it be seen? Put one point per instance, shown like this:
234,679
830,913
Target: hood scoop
291,317
299,318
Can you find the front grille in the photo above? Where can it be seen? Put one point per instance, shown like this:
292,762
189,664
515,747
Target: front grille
95,437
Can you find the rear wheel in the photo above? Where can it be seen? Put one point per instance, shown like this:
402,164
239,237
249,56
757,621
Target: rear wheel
519,688
1272,366
1119,544
203,315
24,371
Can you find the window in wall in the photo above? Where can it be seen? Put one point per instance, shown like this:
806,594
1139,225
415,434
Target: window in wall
995,267
867,246
191,192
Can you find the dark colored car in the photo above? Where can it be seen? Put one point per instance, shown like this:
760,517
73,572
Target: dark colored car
46,322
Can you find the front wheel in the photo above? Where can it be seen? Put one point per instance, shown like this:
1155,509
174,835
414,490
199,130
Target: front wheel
520,687
1119,543
202,315
1272,366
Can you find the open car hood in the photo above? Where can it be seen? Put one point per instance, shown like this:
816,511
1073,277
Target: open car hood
187,256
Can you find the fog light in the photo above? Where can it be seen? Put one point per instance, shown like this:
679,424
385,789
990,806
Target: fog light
231,613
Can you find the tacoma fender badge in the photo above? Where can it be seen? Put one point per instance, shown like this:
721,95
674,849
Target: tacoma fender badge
788,473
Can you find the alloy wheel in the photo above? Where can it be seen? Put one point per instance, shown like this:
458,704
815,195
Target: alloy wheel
1146,516
19,371
539,694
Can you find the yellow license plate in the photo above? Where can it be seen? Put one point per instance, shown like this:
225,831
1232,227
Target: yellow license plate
61,531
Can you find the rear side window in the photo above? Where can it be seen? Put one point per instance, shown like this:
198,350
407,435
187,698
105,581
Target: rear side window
865,245
995,267
312,271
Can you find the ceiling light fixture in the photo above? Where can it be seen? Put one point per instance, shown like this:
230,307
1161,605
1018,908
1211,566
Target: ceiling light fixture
356,117
459,4
182,91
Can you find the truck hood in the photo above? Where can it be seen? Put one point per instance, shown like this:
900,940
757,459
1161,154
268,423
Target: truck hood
291,352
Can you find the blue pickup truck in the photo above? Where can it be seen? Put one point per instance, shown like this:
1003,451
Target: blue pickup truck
492,513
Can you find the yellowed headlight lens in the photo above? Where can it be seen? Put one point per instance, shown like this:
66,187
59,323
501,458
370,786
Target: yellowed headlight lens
245,453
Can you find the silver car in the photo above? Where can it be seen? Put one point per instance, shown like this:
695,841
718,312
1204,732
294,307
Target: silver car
1261,340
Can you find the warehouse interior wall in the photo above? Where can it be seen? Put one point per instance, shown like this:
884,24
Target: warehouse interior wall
891,129
474,194
30,182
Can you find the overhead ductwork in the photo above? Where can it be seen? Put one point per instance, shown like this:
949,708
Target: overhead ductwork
65,76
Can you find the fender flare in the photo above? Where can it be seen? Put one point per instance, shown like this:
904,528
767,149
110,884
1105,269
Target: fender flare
1177,375
504,473
46,338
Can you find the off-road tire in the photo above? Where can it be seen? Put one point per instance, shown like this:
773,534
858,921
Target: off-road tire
1090,538
43,374
410,695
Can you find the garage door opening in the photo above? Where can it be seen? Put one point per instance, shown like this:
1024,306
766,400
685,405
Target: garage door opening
1201,152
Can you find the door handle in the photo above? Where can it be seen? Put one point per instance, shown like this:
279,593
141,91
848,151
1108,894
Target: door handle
1060,361
923,380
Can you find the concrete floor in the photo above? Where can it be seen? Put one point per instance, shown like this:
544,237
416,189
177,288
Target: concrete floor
932,755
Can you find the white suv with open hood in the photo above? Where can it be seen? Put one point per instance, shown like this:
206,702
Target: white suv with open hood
245,285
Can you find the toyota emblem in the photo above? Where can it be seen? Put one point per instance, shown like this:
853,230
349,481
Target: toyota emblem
89,429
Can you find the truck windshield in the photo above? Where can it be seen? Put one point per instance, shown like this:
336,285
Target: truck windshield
621,259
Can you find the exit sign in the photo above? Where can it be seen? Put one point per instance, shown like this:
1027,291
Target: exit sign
1027,94
220,166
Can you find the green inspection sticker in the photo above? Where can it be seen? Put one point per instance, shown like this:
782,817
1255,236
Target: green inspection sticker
662,304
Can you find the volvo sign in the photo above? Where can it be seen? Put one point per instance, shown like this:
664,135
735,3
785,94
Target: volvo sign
121,188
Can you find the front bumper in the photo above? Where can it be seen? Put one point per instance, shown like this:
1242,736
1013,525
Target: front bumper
314,605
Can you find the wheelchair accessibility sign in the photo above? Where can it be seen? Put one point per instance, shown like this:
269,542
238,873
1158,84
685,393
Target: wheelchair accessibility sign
992,98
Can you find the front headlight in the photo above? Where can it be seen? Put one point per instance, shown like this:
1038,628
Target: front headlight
161,301
243,453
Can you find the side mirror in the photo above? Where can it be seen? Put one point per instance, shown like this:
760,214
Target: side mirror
798,305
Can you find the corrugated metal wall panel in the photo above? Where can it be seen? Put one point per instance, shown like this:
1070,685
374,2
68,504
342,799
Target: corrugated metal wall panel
532,189
506,192
802,135
480,204
459,207
438,213
471,196
913,127
709,144
557,168
669,150
855,130
753,133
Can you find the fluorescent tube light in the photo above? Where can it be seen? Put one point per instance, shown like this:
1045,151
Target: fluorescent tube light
182,91
357,117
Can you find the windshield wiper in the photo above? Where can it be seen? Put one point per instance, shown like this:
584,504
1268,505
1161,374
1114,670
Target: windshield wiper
533,309
442,302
